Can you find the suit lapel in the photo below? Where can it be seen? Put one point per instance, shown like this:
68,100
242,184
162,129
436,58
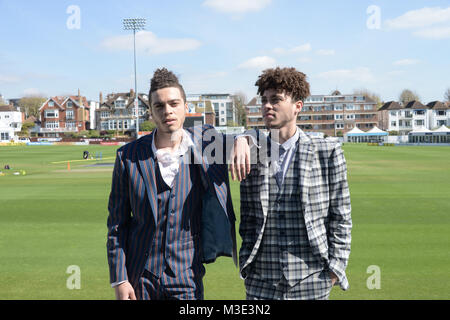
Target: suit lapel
305,158
148,166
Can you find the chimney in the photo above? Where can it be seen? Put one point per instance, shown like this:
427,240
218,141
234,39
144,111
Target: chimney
131,93
101,98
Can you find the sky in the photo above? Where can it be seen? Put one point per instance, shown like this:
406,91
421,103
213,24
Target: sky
221,46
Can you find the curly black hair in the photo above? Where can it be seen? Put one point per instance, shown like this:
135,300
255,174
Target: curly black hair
290,80
163,78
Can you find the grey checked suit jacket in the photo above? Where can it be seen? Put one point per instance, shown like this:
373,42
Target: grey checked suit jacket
325,200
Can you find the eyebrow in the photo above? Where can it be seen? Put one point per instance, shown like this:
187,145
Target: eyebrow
158,103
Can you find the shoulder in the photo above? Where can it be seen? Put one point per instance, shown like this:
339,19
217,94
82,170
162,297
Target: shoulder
130,148
325,147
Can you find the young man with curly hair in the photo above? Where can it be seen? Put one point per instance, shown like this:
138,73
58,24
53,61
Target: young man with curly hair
295,204
170,207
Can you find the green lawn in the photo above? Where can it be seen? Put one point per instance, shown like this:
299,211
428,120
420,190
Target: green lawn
52,218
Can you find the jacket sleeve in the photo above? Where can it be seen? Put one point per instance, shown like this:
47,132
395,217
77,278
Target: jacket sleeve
119,215
340,221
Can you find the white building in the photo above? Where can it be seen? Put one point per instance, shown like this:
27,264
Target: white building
222,103
440,114
414,116
10,123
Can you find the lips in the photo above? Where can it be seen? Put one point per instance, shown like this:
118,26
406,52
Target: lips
269,116
169,121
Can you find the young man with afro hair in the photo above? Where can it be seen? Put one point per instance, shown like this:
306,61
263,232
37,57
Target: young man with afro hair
295,203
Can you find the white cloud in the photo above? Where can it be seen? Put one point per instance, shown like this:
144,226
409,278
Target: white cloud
436,33
298,49
32,92
362,74
304,60
259,63
147,42
325,52
5,79
396,73
406,62
236,6
419,18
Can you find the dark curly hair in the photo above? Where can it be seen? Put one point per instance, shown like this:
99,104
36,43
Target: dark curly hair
163,78
290,80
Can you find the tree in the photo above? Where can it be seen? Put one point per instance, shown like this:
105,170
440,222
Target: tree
369,94
447,95
240,114
30,105
147,126
407,96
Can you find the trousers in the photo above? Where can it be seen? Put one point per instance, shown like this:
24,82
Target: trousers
316,286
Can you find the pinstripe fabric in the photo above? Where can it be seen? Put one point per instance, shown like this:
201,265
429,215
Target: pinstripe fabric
322,197
133,212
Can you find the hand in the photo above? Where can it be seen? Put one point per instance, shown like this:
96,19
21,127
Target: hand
125,291
240,159
333,277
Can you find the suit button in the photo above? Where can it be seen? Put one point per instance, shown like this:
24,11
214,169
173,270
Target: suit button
172,196
172,211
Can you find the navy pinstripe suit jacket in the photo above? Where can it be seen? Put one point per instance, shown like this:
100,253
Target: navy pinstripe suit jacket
133,206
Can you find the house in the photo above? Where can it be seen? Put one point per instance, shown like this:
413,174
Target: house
203,109
60,115
118,111
440,114
222,103
10,122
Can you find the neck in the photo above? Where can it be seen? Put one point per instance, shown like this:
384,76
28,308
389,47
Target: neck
169,141
285,133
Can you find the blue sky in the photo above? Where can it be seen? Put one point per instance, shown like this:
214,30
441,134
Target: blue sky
221,46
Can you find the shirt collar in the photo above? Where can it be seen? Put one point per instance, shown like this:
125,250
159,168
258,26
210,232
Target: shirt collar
289,143
185,144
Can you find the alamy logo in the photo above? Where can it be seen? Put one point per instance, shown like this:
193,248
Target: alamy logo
74,20
74,280
374,20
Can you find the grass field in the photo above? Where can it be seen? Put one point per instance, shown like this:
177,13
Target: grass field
52,218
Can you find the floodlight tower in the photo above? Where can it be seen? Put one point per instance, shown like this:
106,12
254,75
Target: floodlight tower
135,24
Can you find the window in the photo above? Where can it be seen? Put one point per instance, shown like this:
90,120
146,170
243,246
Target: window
69,114
339,126
338,107
394,113
419,122
52,125
69,104
349,107
51,103
119,103
51,113
70,125
350,117
4,136
317,109
441,113
419,112
393,123
338,117
368,107
104,125
104,114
